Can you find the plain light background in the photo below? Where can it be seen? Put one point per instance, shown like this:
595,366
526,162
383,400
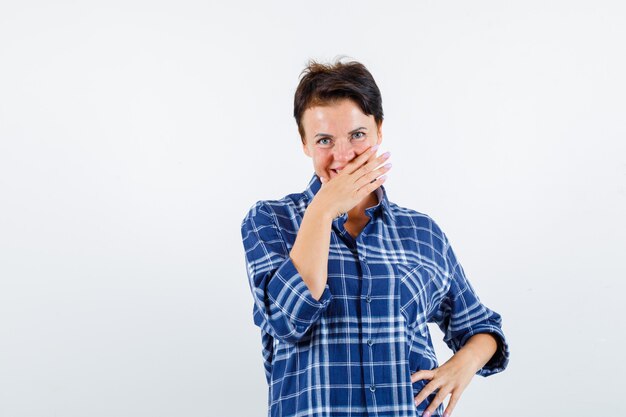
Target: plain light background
135,136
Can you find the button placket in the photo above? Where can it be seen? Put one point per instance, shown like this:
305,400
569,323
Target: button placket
367,314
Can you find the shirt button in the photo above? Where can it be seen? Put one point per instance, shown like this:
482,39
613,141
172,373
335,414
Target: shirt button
368,299
372,388
370,342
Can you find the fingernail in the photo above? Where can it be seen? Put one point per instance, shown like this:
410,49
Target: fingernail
386,154
426,414
389,165
446,414
373,148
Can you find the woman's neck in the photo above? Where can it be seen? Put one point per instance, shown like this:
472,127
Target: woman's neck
358,211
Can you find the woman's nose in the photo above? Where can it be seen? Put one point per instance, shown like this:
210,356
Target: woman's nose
343,152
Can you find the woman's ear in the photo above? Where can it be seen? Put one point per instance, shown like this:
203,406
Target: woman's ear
306,149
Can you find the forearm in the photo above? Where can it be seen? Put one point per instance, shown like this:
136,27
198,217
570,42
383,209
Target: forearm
479,349
309,253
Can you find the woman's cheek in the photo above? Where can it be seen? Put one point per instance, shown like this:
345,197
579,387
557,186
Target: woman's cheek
360,148
323,158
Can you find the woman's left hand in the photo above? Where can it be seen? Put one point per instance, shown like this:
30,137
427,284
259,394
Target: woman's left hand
453,376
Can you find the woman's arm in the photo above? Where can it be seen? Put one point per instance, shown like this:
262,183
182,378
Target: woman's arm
283,305
309,253
357,180
455,375
478,350
471,330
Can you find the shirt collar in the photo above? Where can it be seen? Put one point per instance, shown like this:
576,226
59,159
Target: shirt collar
315,184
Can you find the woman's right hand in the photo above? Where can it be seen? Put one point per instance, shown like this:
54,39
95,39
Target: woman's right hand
353,183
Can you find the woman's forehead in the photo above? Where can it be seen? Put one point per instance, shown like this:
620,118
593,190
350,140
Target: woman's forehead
345,115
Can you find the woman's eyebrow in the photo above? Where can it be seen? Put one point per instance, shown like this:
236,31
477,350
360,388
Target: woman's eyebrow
349,133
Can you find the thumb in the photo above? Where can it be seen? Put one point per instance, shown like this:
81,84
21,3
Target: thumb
323,180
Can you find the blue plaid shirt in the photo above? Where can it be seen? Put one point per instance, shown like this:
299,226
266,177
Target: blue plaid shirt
352,352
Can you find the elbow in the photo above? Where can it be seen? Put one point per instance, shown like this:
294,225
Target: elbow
296,336
284,328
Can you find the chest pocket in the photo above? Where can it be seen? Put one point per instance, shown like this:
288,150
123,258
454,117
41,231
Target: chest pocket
416,287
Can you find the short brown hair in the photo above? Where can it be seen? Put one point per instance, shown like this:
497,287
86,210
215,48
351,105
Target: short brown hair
323,84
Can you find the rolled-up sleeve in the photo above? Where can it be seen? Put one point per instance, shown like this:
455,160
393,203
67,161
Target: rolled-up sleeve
461,315
283,304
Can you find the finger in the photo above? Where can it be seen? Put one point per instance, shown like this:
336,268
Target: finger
361,159
323,180
369,187
371,176
453,400
368,172
441,395
372,164
423,374
425,392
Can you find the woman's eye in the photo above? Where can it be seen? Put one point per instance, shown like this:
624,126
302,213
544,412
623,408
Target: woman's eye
358,133
320,141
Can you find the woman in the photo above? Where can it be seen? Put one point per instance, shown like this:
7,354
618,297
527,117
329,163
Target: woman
344,281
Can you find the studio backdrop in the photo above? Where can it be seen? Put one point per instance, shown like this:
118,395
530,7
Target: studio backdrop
135,136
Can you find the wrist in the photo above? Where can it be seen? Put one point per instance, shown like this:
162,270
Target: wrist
471,357
319,211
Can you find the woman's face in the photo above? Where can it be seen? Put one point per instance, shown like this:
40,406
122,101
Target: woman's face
337,133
